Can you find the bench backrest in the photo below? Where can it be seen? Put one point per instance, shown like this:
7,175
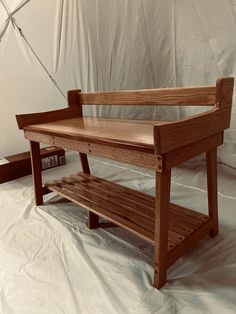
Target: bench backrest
168,135
162,97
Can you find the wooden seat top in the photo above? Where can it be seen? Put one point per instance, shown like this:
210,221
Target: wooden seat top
122,132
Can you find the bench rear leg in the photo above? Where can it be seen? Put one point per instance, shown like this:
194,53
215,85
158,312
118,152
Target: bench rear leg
36,172
93,219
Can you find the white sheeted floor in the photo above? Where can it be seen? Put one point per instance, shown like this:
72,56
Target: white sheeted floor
51,263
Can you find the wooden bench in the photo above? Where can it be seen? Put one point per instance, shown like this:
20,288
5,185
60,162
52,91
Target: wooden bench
157,145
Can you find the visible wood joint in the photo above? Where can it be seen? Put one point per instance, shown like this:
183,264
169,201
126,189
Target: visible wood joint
159,163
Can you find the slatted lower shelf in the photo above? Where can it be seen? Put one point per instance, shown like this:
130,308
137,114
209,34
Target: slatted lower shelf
132,210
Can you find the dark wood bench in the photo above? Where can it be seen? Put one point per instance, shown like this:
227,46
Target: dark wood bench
157,145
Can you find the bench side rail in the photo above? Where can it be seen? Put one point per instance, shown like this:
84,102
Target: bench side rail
172,135
43,117
73,110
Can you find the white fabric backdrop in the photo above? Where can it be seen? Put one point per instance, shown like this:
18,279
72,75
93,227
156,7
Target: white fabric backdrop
110,45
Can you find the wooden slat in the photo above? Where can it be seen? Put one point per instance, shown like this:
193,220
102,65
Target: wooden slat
144,217
113,197
145,201
128,208
119,220
179,228
164,96
189,242
119,191
112,205
188,212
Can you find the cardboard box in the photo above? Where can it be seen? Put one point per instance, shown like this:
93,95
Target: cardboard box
19,165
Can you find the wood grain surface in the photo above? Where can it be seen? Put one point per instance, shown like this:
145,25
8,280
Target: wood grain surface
172,135
42,117
134,132
135,211
194,96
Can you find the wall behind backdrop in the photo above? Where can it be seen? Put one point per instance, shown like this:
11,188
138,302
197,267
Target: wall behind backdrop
50,46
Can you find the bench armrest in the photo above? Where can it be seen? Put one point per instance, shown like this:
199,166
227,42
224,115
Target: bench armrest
42,117
172,135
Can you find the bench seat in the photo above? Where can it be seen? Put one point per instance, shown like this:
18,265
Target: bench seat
136,134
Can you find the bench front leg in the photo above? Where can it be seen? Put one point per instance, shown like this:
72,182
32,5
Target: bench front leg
161,227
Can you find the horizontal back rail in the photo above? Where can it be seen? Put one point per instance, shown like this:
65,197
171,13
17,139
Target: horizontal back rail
195,96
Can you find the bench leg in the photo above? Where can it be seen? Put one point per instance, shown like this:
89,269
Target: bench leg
93,219
211,164
161,227
36,172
